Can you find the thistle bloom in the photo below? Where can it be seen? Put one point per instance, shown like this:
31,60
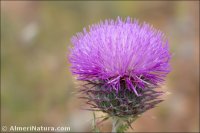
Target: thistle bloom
124,61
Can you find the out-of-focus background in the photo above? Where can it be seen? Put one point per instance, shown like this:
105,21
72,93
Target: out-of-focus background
37,87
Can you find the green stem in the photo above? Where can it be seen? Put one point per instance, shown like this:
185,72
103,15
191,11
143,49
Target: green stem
116,123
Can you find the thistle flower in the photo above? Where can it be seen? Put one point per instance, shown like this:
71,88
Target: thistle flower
122,63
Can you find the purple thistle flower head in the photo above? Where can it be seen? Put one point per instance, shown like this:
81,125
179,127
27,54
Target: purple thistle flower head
121,53
122,63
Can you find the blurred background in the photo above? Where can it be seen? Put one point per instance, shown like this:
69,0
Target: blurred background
37,87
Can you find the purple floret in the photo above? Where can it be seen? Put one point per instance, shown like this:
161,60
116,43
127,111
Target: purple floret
115,52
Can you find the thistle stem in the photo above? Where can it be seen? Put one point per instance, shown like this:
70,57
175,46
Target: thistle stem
116,123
